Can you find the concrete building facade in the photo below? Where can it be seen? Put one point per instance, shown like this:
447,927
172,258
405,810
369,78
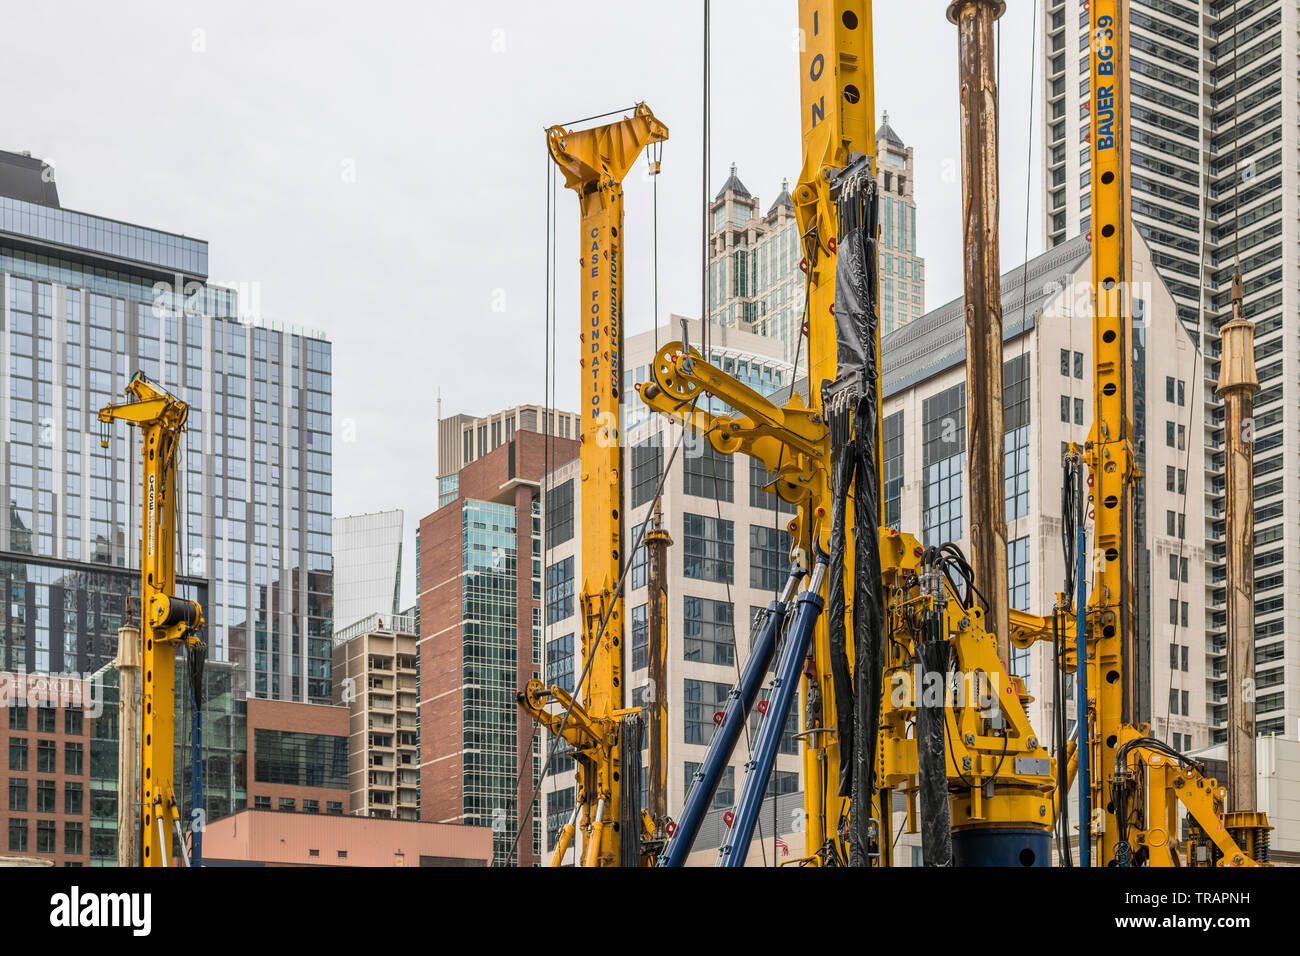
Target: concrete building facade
1213,121
465,438
1048,403
754,280
376,664
259,838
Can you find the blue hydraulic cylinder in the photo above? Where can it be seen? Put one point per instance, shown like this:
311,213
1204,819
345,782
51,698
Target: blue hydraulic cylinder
1081,710
196,771
739,703
808,608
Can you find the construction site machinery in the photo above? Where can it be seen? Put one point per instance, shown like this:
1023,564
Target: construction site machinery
604,734
977,780
167,622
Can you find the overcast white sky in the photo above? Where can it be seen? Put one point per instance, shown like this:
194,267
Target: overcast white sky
378,169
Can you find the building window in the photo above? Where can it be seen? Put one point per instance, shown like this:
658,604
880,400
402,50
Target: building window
311,806
782,782
17,794
1078,365
72,722
701,699
45,836
559,662
943,436
287,805
17,753
72,759
1169,434
18,717
893,455
1065,409
72,837
1065,362
769,557
1018,598
640,572
724,798
45,719
559,810
46,753
788,744
1169,388
559,590
72,798
45,796
647,464
640,618
708,634
261,803
706,473
1015,413
1078,411
17,836
559,514
334,808
761,498
300,759
708,551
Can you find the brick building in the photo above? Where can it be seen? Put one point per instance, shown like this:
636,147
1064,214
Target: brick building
480,641
298,756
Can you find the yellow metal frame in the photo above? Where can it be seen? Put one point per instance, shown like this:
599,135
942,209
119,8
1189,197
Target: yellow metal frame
594,163
167,621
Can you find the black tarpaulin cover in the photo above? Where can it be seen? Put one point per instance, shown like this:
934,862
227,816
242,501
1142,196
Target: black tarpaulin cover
857,331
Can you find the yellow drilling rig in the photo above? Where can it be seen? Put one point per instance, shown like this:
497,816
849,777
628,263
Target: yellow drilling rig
867,606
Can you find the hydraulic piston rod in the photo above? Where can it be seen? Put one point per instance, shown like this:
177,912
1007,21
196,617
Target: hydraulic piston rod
739,703
759,769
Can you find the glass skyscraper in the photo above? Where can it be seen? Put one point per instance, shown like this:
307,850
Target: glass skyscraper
89,301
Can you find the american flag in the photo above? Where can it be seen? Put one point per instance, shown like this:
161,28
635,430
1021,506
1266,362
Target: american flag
783,846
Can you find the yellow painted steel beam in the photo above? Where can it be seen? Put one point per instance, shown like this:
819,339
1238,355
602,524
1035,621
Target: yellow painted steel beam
1112,677
837,117
594,163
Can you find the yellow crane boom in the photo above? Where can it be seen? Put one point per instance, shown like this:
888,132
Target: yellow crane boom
594,163
167,621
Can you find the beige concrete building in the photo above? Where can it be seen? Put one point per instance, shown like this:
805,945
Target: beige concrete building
754,280
267,838
1048,402
466,438
376,678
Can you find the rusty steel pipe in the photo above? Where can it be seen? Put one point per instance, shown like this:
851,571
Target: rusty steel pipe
1238,384
985,426
657,542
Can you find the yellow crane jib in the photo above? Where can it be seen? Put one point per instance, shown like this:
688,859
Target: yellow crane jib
168,621
594,162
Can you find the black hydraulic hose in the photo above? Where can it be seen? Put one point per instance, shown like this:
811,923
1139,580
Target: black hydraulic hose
868,626
932,770
841,476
